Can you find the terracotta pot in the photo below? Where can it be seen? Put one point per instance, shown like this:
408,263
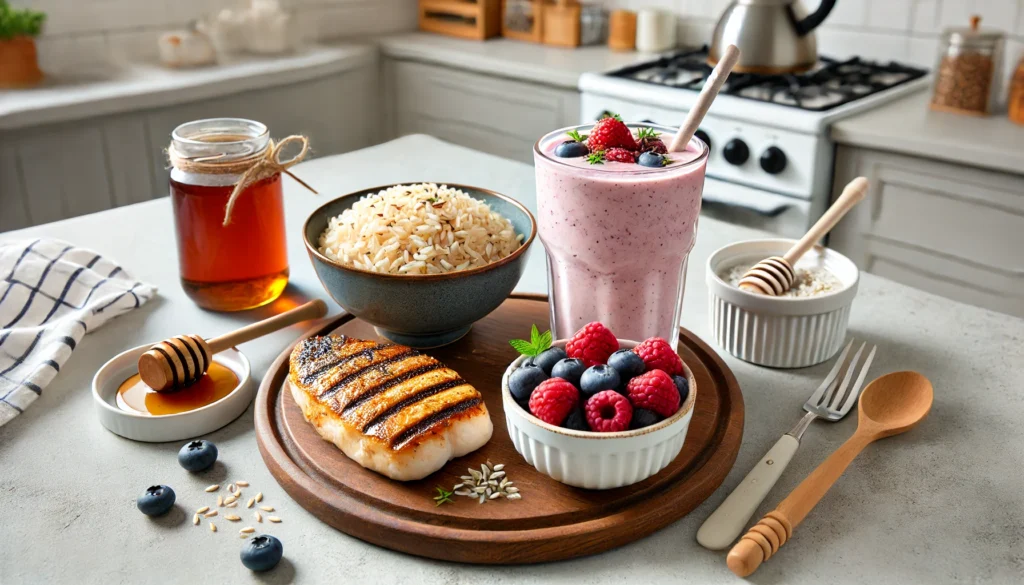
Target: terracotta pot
19,63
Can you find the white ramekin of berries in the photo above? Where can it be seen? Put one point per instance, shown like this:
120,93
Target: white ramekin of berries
595,411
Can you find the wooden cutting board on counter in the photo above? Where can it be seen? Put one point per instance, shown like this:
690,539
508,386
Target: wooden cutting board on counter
552,521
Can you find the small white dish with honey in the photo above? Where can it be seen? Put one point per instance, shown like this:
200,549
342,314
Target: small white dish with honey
127,407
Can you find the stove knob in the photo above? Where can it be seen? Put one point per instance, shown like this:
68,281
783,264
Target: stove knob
703,136
736,152
773,160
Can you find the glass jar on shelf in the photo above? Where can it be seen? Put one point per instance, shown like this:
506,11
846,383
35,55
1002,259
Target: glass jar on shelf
968,71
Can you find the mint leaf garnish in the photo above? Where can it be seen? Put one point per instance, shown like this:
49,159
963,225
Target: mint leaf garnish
575,135
596,158
537,344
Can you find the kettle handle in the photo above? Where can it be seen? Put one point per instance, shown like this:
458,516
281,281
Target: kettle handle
813,20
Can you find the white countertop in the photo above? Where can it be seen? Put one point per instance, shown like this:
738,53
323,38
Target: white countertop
940,504
908,126
140,86
554,66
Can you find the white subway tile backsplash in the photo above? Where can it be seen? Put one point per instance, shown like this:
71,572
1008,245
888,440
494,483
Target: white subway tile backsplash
847,14
955,13
922,51
73,57
889,14
998,14
840,43
925,16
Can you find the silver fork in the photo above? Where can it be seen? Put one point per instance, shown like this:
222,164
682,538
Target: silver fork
831,401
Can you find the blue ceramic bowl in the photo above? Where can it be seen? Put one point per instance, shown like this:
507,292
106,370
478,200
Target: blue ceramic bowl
421,310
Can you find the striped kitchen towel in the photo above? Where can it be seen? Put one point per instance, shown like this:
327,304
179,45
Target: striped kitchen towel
51,295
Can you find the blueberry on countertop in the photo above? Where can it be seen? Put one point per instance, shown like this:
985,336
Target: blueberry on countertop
548,358
628,364
523,380
576,420
683,385
570,369
571,149
261,552
197,455
643,418
598,378
651,159
156,500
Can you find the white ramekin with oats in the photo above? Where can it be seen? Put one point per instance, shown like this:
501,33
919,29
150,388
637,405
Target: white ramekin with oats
804,327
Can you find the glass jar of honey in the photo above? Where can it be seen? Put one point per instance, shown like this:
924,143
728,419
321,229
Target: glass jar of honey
238,261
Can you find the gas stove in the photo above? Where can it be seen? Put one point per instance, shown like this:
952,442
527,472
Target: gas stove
830,84
771,160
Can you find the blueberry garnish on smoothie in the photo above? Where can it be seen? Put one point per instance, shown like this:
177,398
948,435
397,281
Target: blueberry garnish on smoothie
574,148
651,159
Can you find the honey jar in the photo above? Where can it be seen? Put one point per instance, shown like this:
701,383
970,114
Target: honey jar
968,72
226,194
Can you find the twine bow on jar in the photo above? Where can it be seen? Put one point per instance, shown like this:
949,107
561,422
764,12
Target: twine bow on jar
253,169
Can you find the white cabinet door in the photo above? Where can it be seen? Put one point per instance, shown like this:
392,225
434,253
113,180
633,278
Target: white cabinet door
491,114
949,229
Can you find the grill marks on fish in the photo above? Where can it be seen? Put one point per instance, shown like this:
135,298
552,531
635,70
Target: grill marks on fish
387,391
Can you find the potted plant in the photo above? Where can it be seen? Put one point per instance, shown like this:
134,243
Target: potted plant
19,64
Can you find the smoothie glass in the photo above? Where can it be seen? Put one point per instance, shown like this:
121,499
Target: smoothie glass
617,237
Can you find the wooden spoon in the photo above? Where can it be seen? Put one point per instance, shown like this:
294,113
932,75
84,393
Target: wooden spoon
890,405
774,276
180,361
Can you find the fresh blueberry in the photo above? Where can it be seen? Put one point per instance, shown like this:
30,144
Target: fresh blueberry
522,382
261,552
548,358
598,378
576,420
627,364
570,369
651,159
643,418
571,149
197,455
683,385
156,500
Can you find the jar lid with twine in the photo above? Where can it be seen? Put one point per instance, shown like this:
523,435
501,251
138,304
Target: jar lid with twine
253,168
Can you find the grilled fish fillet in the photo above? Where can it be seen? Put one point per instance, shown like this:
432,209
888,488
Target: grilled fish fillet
388,407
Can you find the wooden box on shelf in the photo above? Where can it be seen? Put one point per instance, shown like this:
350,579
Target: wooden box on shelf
523,20
562,23
470,19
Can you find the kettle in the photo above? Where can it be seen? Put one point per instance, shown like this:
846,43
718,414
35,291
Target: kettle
774,36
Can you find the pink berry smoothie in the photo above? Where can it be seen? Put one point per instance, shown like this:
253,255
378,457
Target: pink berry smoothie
617,237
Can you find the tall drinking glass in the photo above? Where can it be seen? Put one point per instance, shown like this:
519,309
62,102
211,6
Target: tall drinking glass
617,237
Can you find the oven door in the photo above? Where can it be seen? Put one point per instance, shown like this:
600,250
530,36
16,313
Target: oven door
786,216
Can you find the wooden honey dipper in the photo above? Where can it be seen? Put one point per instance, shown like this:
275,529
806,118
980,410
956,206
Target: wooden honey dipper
180,361
774,276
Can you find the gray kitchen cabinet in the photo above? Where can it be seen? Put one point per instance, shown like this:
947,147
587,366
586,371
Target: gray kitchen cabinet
492,114
61,170
953,230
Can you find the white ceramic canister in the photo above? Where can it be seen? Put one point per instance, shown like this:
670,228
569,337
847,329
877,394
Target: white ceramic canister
655,30
779,332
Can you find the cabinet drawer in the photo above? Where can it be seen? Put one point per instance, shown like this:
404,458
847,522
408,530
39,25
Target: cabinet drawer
950,229
491,114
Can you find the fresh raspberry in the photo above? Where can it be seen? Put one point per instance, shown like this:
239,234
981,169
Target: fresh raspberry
553,400
652,145
655,391
610,133
659,355
620,155
592,344
608,412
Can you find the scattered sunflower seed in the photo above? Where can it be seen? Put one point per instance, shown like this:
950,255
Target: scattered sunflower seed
231,518
250,502
499,467
210,514
213,488
203,510
259,497
232,487
242,483
220,501
195,520
229,500
494,496
273,519
513,496
213,527
258,517
490,482
231,505
267,508
247,530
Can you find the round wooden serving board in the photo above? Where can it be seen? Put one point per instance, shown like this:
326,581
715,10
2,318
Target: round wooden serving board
552,521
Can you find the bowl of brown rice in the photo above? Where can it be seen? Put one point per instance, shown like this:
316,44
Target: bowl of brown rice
420,262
